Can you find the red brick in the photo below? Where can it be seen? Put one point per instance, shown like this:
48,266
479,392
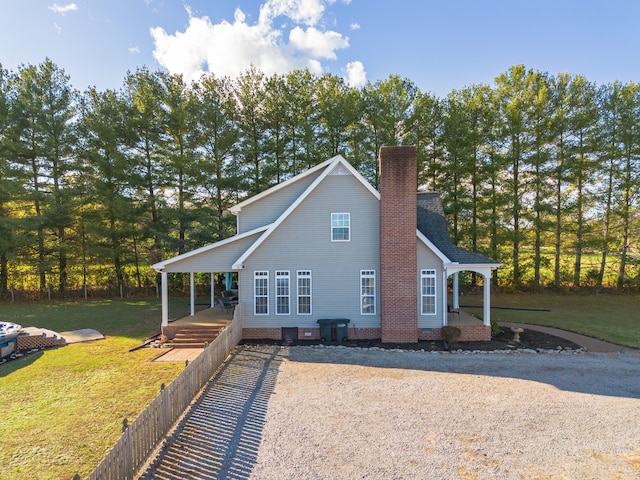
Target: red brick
398,249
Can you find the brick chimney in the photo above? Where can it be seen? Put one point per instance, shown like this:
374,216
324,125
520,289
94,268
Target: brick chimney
398,249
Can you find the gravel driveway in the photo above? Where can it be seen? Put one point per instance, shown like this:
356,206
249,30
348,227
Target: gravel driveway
346,413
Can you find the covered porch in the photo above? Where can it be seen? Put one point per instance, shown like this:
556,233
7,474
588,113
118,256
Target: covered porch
217,257
454,307
213,316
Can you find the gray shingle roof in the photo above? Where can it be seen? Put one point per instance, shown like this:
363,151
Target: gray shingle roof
433,225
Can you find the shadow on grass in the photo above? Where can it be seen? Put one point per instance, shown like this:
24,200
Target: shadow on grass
11,366
220,436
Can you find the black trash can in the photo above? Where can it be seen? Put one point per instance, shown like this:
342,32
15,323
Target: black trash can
342,329
326,329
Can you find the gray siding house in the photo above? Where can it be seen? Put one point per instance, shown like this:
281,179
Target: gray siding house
326,244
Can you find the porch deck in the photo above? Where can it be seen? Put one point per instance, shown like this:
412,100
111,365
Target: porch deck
463,319
208,317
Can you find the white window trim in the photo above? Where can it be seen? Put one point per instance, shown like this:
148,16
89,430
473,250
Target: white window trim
283,274
304,274
260,274
367,274
348,226
424,274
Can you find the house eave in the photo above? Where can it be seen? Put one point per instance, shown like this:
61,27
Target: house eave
160,266
433,248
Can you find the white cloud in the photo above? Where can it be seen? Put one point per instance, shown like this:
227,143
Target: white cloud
356,74
62,9
318,44
307,12
228,49
134,50
354,26
57,27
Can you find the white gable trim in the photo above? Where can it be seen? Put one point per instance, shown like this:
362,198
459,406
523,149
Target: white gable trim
336,162
239,206
160,266
432,247
481,268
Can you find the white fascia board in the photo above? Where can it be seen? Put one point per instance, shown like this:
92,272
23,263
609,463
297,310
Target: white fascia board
433,248
332,163
160,266
239,206
481,268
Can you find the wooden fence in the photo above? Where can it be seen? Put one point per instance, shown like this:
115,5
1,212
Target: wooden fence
140,439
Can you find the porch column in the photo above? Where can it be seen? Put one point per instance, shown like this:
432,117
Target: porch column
192,285
445,310
165,298
213,300
487,299
456,302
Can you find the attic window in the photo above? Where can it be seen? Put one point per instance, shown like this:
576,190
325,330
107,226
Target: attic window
340,227
339,170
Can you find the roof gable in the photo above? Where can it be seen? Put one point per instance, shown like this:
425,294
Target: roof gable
330,164
334,166
160,266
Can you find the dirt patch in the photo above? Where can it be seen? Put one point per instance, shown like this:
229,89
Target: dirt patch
529,339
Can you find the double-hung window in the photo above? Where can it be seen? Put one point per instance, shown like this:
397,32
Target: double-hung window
368,292
304,292
261,292
340,227
282,292
428,292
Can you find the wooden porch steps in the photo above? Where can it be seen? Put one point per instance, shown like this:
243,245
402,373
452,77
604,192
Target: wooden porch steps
194,336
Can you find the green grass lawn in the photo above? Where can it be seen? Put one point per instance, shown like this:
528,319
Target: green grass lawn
62,409
615,318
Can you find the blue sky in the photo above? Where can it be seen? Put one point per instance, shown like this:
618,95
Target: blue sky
439,45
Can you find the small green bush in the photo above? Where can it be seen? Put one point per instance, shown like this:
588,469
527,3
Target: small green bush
495,328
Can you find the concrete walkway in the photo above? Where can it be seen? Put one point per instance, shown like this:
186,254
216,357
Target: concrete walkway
590,344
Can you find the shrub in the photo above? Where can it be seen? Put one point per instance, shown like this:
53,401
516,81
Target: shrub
495,327
450,334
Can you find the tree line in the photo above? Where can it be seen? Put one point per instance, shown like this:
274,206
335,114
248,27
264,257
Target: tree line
536,171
